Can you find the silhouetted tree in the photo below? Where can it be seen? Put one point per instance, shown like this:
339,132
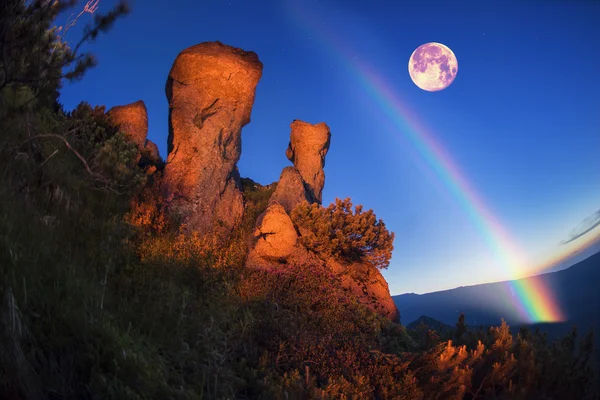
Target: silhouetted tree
461,327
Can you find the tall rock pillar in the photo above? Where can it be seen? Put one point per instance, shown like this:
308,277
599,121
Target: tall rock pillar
210,90
307,149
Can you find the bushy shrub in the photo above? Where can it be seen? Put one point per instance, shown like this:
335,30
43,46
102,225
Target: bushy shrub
111,155
339,232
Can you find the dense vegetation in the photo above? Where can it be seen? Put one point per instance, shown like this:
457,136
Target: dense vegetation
103,296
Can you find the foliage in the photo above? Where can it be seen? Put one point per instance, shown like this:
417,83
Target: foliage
338,231
309,328
112,157
34,61
33,51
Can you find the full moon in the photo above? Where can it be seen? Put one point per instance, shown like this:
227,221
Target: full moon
432,67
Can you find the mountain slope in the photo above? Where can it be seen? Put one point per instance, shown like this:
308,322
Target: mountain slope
574,290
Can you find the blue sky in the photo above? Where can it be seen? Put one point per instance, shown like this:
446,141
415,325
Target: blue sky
521,120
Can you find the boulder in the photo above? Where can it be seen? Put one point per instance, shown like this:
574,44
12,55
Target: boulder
307,149
275,234
210,90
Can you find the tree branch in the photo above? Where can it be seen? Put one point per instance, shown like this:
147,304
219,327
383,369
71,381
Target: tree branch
68,145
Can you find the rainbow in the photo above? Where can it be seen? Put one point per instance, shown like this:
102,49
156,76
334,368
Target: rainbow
533,301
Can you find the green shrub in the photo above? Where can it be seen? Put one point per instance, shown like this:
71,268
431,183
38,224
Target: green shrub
339,232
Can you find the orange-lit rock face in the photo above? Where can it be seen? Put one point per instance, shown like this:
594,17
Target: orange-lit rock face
275,233
132,119
290,190
210,90
307,149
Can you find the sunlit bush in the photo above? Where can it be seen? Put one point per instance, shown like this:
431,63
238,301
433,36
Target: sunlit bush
338,231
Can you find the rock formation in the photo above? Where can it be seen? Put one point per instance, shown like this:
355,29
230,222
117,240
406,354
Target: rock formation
307,149
290,190
276,238
368,285
210,90
132,119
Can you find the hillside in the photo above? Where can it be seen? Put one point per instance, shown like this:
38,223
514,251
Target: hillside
430,323
486,304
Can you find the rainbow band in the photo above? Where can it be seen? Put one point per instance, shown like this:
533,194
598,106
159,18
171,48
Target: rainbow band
535,302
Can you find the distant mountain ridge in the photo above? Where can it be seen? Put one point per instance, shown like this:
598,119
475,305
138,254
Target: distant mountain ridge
576,291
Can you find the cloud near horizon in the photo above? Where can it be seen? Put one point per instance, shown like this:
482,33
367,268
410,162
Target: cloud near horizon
584,227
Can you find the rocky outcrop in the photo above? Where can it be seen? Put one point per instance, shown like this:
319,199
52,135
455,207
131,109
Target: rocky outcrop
307,149
131,119
290,190
210,90
277,241
368,285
